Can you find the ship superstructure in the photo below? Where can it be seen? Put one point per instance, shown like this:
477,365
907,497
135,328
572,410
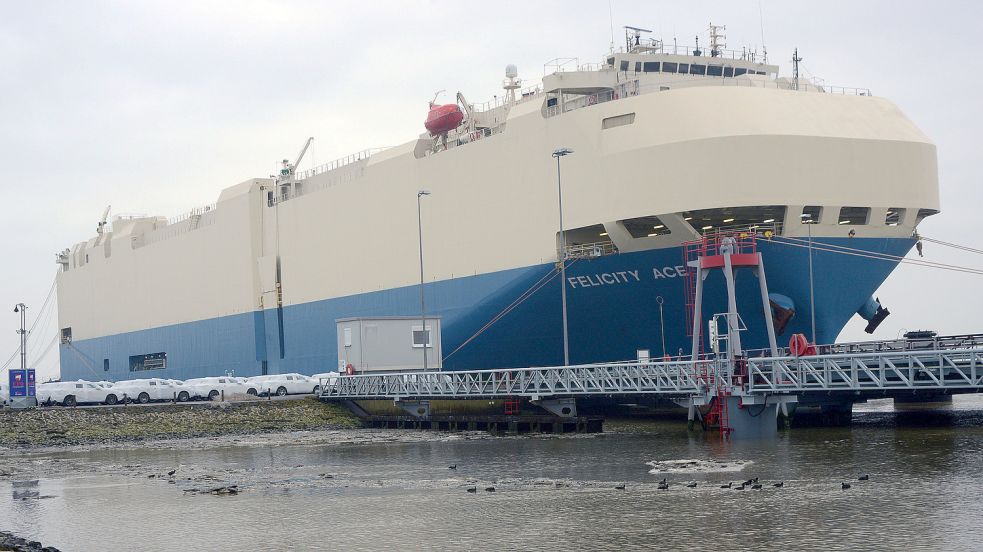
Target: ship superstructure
669,143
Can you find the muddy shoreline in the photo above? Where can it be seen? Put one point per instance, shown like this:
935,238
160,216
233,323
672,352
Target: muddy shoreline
69,427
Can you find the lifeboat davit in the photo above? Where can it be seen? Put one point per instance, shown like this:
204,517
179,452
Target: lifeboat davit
443,118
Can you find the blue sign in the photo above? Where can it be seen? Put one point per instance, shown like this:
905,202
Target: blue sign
23,383
18,383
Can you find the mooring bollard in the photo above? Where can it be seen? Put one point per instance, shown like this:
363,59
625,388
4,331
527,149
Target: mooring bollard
125,400
269,394
223,395
174,398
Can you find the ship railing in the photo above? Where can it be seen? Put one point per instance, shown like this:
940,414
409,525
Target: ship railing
339,163
523,95
590,250
588,100
196,212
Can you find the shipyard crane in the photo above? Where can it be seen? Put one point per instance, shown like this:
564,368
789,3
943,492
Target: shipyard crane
289,168
468,112
103,220
287,180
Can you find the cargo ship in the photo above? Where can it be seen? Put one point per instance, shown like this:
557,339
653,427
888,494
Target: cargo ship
655,146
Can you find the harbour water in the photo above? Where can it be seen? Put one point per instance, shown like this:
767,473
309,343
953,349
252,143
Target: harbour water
304,491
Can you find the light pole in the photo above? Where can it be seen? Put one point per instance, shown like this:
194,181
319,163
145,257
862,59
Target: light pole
22,309
423,304
562,256
807,219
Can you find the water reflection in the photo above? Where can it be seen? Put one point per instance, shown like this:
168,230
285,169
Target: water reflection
556,492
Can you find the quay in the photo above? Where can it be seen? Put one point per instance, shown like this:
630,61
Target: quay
742,398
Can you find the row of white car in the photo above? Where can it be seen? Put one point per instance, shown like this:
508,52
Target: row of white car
72,393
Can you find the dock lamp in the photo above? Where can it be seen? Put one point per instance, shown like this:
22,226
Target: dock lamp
562,256
22,309
423,305
808,220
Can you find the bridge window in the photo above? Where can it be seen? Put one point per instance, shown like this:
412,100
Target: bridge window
895,216
624,65
738,71
854,215
715,70
733,218
811,214
728,71
611,61
651,67
695,69
684,68
645,227
668,67
638,67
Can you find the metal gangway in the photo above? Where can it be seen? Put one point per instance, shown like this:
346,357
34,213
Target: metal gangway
870,373
742,383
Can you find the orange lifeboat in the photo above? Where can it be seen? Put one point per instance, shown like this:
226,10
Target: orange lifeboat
443,118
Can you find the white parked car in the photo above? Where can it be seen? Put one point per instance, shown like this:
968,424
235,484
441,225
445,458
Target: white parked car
72,393
211,388
154,389
284,384
183,391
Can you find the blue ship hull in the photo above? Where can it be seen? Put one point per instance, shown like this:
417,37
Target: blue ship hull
612,303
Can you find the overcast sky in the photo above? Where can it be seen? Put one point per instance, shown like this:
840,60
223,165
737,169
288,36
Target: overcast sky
154,107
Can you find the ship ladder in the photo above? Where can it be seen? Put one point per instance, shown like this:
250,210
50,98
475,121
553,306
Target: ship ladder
719,415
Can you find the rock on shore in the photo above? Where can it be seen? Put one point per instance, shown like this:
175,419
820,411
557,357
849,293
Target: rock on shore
14,543
75,426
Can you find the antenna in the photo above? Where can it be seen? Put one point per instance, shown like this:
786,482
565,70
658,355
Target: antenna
717,39
761,27
611,19
633,36
795,69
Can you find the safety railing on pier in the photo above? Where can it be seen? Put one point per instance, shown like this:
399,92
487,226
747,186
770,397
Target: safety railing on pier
959,370
671,378
939,370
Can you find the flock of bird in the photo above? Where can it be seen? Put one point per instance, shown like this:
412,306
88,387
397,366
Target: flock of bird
750,483
664,484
